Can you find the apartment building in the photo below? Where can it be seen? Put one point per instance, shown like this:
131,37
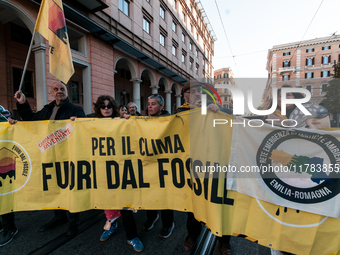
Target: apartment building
306,64
225,76
123,48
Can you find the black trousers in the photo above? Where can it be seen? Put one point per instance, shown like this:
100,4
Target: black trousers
167,217
194,227
129,224
224,239
62,214
8,221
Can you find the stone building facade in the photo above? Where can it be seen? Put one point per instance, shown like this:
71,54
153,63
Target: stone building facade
225,76
128,49
307,64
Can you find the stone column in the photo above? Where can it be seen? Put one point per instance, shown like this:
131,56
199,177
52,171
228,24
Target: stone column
178,100
40,75
168,100
154,89
136,92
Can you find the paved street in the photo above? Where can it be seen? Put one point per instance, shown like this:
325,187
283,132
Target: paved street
30,241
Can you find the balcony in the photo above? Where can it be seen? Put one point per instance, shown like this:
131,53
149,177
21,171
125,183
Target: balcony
287,69
326,65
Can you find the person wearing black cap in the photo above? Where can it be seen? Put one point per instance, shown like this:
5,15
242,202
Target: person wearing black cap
192,95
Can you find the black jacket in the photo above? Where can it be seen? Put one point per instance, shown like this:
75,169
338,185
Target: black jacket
164,113
65,111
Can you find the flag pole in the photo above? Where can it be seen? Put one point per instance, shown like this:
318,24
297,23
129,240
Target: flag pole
26,63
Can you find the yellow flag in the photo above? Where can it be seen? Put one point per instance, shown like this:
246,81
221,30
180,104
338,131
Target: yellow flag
51,24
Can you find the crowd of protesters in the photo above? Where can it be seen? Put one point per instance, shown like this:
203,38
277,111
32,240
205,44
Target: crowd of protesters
106,107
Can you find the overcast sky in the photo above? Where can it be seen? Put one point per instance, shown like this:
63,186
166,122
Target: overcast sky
253,27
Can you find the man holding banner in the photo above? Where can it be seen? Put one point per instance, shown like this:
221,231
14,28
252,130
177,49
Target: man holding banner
59,109
192,95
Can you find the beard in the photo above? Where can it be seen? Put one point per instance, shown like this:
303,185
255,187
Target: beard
195,100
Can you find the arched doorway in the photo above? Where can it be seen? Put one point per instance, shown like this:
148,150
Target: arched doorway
164,92
124,73
16,27
175,97
148,81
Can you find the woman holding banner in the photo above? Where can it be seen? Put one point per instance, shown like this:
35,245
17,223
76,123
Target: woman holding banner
106,107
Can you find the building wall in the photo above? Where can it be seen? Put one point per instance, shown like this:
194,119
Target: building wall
225,76
296,72
99,64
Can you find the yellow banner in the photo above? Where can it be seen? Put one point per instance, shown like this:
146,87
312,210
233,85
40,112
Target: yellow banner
145,163
51,24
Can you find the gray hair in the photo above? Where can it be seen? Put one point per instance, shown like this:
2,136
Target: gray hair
132,103
159,98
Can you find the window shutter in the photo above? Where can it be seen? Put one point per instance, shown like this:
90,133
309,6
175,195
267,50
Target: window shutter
328,73
329,59
306,61
312,61
305,75
312,74
321,74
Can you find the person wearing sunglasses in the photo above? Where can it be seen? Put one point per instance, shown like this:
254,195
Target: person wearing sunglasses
106,107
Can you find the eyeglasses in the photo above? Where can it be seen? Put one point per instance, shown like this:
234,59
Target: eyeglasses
106,106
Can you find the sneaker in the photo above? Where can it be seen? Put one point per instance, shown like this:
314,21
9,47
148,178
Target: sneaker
136,244
8,236
166,232
150,223
107,233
